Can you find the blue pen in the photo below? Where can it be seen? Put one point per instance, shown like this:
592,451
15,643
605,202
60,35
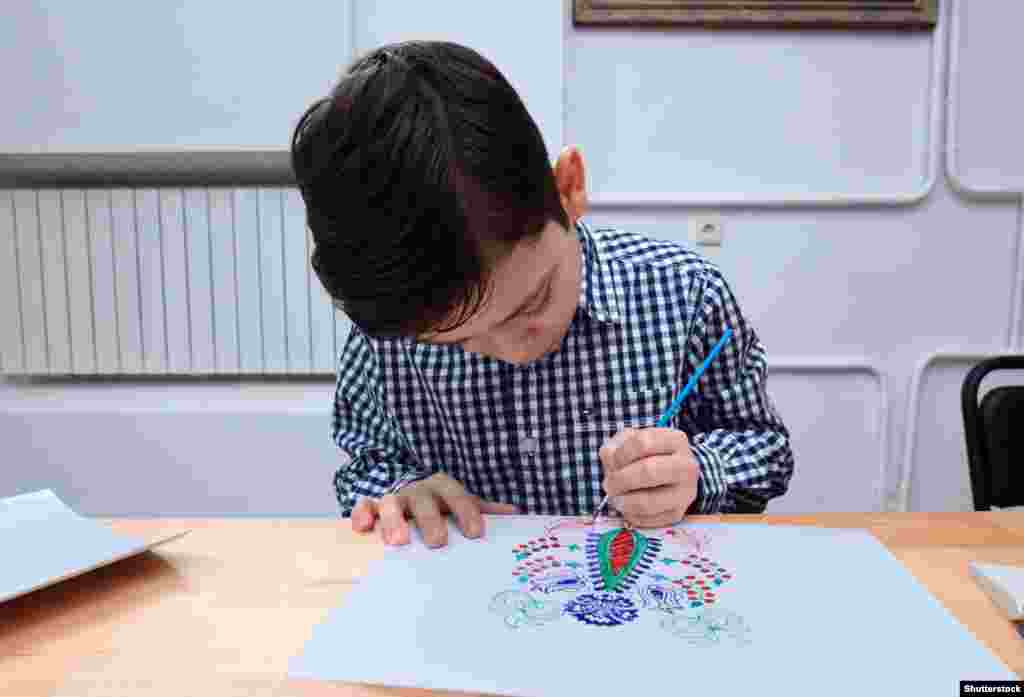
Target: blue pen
673,408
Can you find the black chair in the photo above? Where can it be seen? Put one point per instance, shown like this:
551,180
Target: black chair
994,431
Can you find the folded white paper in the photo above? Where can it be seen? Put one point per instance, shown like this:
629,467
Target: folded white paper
1004,584
43,542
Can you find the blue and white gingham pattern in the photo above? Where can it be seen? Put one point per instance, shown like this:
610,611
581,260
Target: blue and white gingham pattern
649,312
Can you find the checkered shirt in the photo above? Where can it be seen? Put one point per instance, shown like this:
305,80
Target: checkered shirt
649,312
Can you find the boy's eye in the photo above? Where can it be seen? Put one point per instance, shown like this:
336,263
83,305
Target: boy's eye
539,305
542,302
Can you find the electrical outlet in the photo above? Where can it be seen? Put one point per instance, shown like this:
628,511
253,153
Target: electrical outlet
706,231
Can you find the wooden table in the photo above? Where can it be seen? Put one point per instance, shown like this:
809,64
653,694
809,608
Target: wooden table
221,610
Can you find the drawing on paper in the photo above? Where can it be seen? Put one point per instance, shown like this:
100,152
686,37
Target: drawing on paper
609,575
707,627
605,609
618,557
519,608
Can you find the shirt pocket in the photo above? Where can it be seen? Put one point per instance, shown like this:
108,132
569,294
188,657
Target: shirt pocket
622,409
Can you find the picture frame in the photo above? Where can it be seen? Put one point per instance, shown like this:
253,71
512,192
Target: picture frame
775,14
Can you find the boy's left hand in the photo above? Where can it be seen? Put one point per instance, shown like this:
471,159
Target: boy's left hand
651,473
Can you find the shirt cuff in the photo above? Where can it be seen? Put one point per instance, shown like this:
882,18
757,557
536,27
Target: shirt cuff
711,484
407,479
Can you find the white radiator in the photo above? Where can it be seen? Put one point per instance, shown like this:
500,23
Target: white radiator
197,281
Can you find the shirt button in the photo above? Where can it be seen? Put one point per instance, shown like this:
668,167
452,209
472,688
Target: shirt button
528,445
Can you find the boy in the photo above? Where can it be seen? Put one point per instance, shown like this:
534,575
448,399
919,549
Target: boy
505,357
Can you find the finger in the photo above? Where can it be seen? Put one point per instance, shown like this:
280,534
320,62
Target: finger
646,442
427,513
466,509
393,526
607,453
364,515
445,486
647,504
648,472
497,508
463,505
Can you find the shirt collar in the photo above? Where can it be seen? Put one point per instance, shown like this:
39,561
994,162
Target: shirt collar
601,290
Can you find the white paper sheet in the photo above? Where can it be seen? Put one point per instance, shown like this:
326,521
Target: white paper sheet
1004,584
42,542
792,610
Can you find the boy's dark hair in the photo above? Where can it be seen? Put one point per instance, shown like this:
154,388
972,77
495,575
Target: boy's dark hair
420,170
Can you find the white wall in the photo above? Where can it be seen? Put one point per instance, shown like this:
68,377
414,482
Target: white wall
875,276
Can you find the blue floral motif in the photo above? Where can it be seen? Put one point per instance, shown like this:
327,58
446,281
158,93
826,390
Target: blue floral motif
602,609
708,627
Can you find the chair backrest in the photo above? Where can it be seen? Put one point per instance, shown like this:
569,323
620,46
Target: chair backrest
994,432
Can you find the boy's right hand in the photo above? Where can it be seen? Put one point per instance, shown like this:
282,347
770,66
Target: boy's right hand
426,502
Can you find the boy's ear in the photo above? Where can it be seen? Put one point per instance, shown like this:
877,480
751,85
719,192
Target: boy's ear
571,180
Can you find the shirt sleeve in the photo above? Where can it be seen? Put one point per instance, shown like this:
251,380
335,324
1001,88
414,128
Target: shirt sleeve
380,462
737,436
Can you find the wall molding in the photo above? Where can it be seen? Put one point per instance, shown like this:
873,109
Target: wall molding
838,365
967,189
853,199
148,395
927,362
271,167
